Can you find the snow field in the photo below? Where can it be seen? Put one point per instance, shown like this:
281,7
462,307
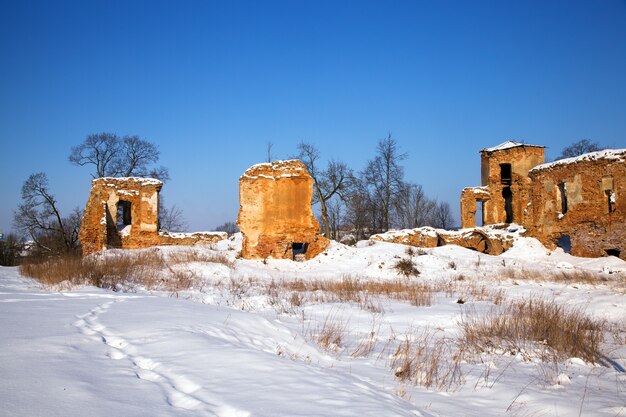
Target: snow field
316,338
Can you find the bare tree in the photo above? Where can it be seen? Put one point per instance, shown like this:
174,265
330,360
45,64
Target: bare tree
170,219
229,227
327,183
270,145
38,217
412,207
10,250
578,148
113,156
384,176
442,216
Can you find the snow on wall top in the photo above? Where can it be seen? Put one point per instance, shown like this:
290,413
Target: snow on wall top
508,145
618,155
277,169
139,180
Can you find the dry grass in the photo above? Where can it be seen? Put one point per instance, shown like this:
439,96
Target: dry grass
406,267
536,327
146,268
190,256
353,290
425,359
332,333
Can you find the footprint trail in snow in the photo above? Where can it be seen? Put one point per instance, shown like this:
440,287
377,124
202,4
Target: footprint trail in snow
180,392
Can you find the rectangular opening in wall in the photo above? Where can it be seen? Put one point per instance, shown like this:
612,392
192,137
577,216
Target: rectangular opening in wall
565,243
124,218
610,196
562,191
298,250
507,195
612,252
505,174
480,214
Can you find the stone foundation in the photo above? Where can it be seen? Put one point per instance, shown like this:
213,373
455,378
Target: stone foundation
476,239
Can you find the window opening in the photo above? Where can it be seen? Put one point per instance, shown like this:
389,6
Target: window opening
507,194
505,174
610,194
479,217
563,197
123,214
565,243
612,252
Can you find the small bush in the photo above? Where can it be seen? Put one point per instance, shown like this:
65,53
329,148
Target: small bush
406,267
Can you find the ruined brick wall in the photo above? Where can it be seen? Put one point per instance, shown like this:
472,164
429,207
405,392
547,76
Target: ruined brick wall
275,211
99,227
469,198
594,189
190,239
520,158
491,242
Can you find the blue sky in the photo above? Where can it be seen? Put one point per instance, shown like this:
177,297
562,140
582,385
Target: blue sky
212,82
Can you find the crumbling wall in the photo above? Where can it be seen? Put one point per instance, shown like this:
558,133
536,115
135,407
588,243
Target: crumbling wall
581,200
496,189
190,239
101,228
480,240
275,211
124,213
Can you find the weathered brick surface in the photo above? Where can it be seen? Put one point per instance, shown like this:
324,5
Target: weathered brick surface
190,239
99,228
427,237
99,225
521,158
275,211
593,185
594,225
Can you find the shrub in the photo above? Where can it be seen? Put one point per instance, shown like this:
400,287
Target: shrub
406,267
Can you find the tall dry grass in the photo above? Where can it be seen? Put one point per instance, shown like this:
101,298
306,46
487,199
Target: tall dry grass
424,358
149,268
537,326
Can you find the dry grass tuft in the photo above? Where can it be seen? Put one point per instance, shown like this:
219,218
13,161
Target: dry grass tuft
425,359
536,327
406,267
332,333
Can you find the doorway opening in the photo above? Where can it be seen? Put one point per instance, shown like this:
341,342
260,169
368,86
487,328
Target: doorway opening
507,194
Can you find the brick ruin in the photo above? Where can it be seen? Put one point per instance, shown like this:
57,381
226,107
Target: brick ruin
123,213
576,203
505,184
275,215
580,204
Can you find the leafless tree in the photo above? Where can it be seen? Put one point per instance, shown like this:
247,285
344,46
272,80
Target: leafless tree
270,145
327,183
10,250
170,219
384,177
113,156
229,227
38,217
578,148
442,216
412,207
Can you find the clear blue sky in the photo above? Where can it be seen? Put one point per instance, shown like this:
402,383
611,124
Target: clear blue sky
212,82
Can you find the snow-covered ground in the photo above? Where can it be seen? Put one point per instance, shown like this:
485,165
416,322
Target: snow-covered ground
237,342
